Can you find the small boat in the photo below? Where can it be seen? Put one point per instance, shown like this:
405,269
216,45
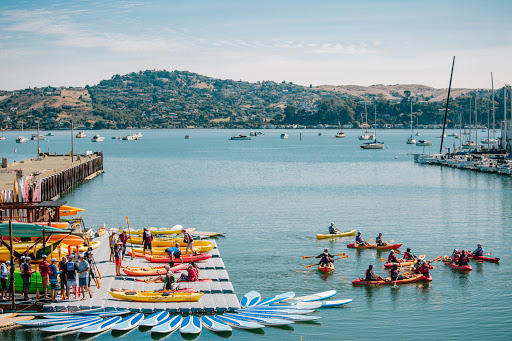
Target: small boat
250,299
168,325
424,143
403,264
252,133
101,326
139,296
81,135
326,268
21,139
214,325
37,137
320,133
335,303
314,297
240,137
284,136
116,137
187,137
366,137
132,137
489,141
241,324
411,140
154,319
339,134
373,145
447,261
191,325
277,298
97,138
469,145
374,246
412,279
129,322
484,258
336,235
261,320
184,259
50,134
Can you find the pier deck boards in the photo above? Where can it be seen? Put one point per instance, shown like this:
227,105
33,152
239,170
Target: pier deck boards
219,294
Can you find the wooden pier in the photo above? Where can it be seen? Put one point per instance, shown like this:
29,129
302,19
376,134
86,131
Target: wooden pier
219,294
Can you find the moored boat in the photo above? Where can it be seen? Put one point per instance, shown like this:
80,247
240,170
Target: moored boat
240,137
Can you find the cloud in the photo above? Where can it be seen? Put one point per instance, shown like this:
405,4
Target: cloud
350,49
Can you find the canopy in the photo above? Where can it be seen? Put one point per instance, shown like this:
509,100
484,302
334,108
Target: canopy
22,230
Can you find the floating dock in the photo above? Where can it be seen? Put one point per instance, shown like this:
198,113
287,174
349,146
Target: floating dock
219,295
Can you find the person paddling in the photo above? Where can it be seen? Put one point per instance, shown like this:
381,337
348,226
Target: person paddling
455,256
395,273
392,258
379,241
359,240
423,268
370,276
463,258
479,251
408,256
325,258
333,229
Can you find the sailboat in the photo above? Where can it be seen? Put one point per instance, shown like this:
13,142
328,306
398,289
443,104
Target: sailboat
21,139
365,135
2,137
410,140
374,144
340,133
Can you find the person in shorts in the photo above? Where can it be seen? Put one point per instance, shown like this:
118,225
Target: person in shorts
83,276
43,270
118,255
26,275
123,238
71,269
4,276
147,238
63,277
54,279
112,241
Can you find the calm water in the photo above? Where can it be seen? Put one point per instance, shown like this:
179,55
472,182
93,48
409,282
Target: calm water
271,196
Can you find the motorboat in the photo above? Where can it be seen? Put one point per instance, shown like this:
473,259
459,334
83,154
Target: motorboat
366,137
489,141
81,135
424,143
21,139
37,137
187,137
132,137
469,145
284,136
50,134
240,137
97,138
339,134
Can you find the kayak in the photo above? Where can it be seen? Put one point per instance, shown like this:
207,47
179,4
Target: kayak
7,315
447,261
157,297
139,252
326,268
335,235
374,246
160,280
184,259
415,278
162,231
405,263
35,282
101,231
155,291
151,271
484,258
82,248
166,242
63,238
21,247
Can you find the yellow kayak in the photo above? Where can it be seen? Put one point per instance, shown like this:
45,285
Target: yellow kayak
339,234
69,210
161,231
164,242
139,252
82,248
35,253
140,296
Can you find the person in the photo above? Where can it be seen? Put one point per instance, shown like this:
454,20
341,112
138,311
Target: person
26,275
325,258
408,255
422,268
63,277
123,238
463,259
187,238
147,239
43,270
53,277
169,281
370,276
159,278
192,274
4,276
71,269
455,256
359,239
112,239
333,229
174,253
90,259
395,273
379,241
479,251
12,268
83,274
118,255
392,258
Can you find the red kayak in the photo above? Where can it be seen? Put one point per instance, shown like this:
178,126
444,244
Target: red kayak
484,258
184,259
455,266
415,278
374,246
142,271
326,268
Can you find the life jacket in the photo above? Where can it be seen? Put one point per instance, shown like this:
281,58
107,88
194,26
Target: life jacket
25,270
43,267
407,256
455,257
147,236
123,238
463,258
392,258
188,238
70,266
52,270
325,259
192,275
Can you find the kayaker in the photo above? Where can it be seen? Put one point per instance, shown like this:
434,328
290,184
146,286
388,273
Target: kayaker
370,276
325,258
26,275
71,269
455,256
187,238
147,239
463,259
378,240
423,268
392,257
54,281
43,270
123,238
169,281
395,273
83,274
174,253
4,276
408,255
479,251
359,240
63,277
117,258
333,229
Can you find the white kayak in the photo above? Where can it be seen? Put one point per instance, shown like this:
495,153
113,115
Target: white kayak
284,316
241,324
261,320
49,322
278,311
277,298
191,325
153,319
215,325
250,299
168,325
67,327
335,303
129,322
101,326
315,297
302,306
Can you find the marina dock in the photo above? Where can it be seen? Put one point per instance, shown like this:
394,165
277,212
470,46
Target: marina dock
219,294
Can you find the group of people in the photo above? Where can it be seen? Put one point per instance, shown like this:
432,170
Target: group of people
420,267
56,275
461,257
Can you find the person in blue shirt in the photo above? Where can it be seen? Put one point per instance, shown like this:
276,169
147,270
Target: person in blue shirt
333,229
359,239
174,253
479,251
53,274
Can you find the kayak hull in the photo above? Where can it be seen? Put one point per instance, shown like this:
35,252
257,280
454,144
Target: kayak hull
485,259
184,259
374,246
157,297
457,267
417,278
326,269
337,235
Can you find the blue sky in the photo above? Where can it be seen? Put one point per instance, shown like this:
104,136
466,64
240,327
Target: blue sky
74,43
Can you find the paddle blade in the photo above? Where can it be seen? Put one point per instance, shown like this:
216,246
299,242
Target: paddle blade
341,254
37,293
383,260
306,257
311,265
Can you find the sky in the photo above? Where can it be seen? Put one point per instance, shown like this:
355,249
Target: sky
81,42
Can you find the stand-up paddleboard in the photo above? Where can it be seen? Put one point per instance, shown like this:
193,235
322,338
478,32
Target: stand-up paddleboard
7,315
335,303
315,297
214,325
69,312
50,322
284,316
250,299
299,306
236,323
101,326
168,325
110,313
278,311
191,325
260,320
7,321
67,327
153,319
129,322
277,298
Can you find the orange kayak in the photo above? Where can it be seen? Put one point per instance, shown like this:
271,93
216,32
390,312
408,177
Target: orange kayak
415,278
326,269
374,246
148,271
65,239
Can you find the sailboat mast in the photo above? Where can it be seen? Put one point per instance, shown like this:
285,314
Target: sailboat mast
476,124
488,125
375,122
493,111
505,115
411,118
446,109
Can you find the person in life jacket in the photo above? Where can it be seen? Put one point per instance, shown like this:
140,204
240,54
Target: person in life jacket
395,273
455,256
123,238
325,258
26,275
479,251
392,258
370,276
333,229
187,238
423,268
359,240
378,240
147,239
408,255
463,259
192,274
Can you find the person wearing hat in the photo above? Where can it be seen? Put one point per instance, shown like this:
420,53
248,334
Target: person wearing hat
4,276
187,238
123,238
147,239
173,253
83,274
370,276
422,267
21,261
325,258
112,239
54,279
455,256
43,270
71,270
12,268
333,229
169,280
26,275
359,240
479,251
63,277
392,258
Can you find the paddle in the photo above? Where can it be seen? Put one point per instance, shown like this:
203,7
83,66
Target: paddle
437,259
311,265
129,234
308,257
